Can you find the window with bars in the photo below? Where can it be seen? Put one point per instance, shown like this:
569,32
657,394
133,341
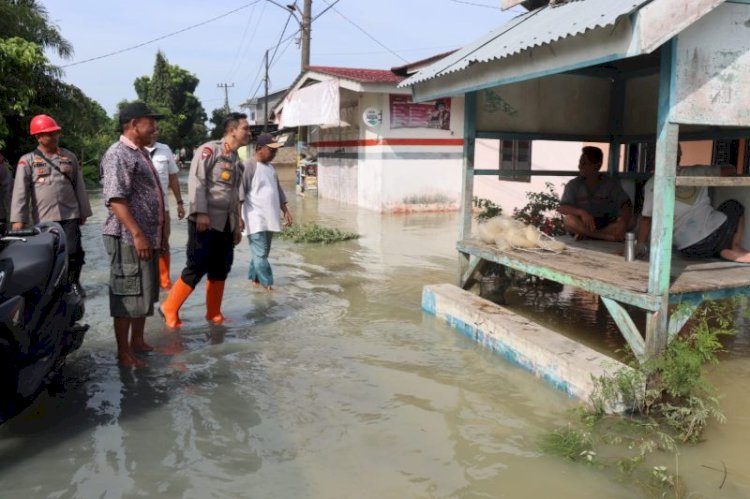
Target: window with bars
515,155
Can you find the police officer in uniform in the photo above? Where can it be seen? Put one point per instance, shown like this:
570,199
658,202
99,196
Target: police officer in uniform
49,187
214,222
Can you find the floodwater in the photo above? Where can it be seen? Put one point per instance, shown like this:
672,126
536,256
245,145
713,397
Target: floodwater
334,386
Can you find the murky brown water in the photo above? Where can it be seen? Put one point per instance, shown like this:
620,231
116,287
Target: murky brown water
336,386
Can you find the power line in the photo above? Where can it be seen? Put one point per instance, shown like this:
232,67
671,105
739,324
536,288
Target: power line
286,25
241,44
365,32
287,39
375,52
226,87
493,7
168,35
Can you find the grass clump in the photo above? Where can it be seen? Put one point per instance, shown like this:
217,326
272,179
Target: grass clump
314,233
668,402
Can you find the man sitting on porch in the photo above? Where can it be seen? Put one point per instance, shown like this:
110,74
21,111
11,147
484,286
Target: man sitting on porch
594,205
700,231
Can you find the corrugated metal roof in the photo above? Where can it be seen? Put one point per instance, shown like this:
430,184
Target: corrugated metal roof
536,28
361,75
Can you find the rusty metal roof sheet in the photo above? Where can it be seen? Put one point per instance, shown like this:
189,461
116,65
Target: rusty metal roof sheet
536,28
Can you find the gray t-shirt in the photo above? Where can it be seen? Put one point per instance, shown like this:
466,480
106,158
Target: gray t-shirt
605,200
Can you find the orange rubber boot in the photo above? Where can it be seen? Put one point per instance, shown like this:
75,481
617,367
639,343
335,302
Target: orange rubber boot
164,281
170,308
214,295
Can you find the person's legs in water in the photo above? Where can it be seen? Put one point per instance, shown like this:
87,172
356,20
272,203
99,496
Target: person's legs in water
137,343
260,269
125,355
220,263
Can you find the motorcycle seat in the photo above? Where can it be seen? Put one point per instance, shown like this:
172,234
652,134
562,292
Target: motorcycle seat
32,262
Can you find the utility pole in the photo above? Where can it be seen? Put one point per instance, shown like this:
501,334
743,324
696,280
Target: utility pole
306,28
265,101
226,87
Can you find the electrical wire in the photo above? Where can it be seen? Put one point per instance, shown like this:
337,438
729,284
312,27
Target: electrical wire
286,40
476,4
276,48
493,7
232,68
168,35
365,32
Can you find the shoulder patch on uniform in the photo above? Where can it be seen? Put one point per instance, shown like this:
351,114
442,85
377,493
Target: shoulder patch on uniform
22,163
206,152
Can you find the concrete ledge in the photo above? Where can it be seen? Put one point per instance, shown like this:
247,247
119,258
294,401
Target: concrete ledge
560,361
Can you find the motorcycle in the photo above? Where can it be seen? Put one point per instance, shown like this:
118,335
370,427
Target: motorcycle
39,314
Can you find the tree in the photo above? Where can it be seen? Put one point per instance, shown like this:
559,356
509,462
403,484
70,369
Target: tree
30,85
27,19
217,120
21,62
170,91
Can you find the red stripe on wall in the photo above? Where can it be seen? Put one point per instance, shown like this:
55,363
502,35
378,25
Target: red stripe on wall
388,142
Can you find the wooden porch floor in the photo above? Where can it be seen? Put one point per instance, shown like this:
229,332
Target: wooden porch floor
593,265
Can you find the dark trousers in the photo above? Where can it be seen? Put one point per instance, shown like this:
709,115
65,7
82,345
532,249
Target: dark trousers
209,252
720,239
76,255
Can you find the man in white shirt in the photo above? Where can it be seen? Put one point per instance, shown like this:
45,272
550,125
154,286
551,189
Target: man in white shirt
700,231
166,166
263,203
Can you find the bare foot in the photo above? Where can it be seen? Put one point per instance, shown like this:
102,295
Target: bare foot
141,346
739,256
256,284
269,289
127,359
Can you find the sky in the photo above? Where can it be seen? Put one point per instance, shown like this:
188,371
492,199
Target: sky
376,34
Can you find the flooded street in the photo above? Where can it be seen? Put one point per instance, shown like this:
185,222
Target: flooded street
334,386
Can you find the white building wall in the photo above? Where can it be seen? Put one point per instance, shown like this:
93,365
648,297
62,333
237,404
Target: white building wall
423,177
338,169
391,177
370,189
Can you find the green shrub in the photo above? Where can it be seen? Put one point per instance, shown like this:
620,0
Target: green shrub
314,233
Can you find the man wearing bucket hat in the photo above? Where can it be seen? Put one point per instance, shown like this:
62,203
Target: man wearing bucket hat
49,187
133,230
263,203
213,221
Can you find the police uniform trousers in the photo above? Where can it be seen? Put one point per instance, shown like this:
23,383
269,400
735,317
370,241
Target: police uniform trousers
76,254
209,252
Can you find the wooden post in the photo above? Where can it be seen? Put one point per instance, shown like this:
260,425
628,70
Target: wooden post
616,110
662,221
467,182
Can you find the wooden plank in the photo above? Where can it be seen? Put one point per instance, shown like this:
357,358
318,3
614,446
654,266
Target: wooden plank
467,177
468,279
627,327
713,181
679,318
662,220
661,20
467,183
585,269
597,260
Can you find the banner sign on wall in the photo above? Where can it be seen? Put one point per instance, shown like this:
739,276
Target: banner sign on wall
432,114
